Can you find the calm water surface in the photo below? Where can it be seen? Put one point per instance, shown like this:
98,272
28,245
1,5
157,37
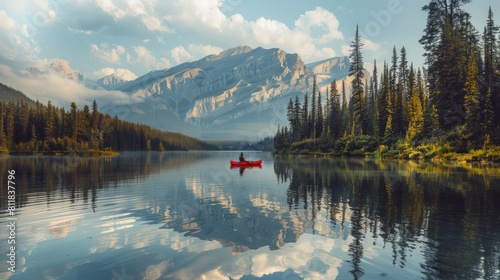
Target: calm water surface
187,215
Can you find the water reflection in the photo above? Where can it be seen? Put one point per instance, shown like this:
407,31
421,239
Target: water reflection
451,213
189,216
81,177
242,169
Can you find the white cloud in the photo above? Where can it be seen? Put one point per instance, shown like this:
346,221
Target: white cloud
307,37
108,54
326,52
144,11
109,7
154,24
266,31
180,54
144,57
369,45
192,13
16,40
5,21
200,50
60,91
323,19
310,257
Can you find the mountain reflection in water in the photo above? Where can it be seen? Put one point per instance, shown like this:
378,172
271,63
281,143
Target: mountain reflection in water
187,215
450,212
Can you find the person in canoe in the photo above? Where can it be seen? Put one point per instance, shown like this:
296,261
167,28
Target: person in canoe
242,157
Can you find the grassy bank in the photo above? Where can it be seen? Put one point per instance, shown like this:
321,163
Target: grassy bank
367,146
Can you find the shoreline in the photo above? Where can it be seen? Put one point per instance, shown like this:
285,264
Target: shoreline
61,153
470,158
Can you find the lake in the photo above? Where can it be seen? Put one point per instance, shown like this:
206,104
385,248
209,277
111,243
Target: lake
187,215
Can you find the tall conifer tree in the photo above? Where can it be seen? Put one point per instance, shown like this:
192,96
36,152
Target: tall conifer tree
357,86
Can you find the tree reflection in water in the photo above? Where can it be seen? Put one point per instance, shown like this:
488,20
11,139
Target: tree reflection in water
81,176
438,220
451,211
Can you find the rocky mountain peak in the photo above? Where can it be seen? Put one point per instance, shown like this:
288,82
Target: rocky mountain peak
62,68
230,52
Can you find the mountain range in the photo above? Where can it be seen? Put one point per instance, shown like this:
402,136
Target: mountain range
240,93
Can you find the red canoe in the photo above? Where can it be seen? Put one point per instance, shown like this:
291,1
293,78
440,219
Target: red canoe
245,163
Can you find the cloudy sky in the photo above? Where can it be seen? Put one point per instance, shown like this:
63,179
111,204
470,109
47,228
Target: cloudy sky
95,36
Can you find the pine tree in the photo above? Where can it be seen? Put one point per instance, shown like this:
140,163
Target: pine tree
426,106
491,77
415,117
312,118
335,119
34,139
412,81
74,122
305,118
291,116
370,108
472,96
319,118
446,52
386,106
345,111
393,73
49,122
285,137
487,113
375,103
357,86
403,74
326,115
10,126
95,135
296,116
23,122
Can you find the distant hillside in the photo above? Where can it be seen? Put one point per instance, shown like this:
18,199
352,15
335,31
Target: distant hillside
49,129
8,94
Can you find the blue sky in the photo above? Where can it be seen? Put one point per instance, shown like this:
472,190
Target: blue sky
100,36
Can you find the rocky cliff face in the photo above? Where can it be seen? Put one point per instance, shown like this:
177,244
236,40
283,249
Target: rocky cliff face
333,68
219,89
62,68
240,93
327,70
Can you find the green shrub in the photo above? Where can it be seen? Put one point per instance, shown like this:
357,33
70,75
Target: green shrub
444,149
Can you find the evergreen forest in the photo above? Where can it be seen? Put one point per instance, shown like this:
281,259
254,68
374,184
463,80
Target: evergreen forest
27,126
449,109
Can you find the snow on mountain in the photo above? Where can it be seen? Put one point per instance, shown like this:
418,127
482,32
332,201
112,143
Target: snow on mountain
119,76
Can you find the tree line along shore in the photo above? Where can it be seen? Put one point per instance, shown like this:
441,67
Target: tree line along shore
29,127
449,110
